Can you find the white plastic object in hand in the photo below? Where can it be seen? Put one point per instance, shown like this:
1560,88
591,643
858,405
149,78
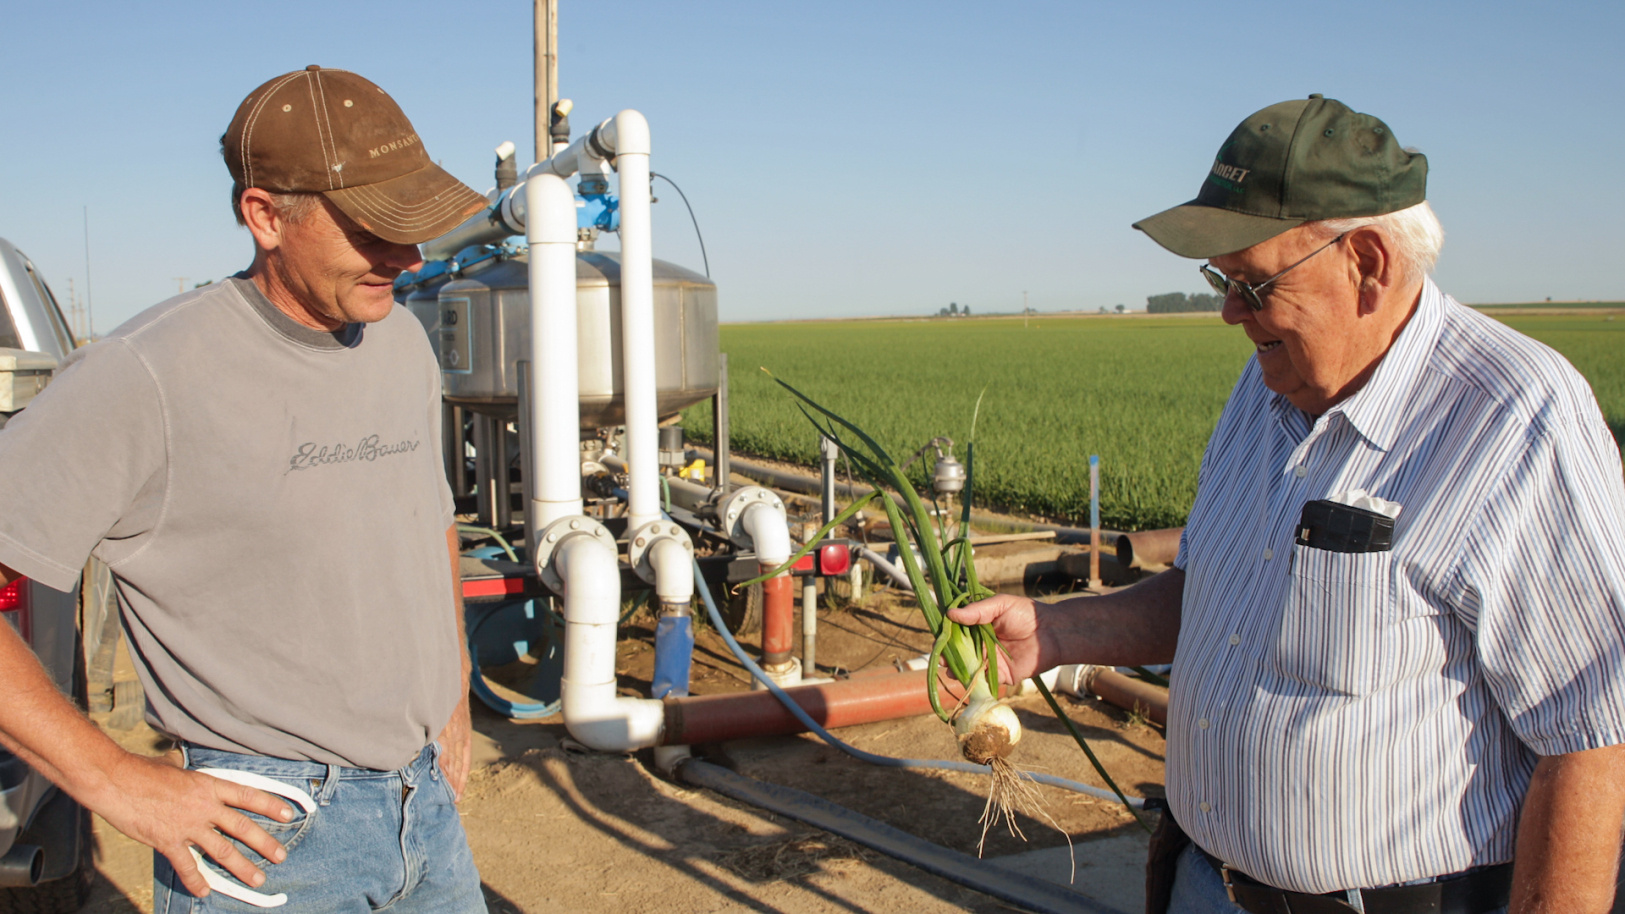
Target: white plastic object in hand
219,882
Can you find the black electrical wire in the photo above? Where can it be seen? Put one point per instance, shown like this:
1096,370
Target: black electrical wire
652,176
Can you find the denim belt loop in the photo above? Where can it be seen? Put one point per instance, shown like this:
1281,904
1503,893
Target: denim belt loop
409,772
330,786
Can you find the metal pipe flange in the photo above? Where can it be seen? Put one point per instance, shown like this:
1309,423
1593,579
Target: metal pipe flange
643,541
554,534
733,508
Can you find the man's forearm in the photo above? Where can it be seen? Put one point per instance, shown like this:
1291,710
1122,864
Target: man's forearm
1569,834
1136,625
42,727
456,738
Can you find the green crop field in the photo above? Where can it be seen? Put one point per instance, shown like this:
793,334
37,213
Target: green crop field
1142,392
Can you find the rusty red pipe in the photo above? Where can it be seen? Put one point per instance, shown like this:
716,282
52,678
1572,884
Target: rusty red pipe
778,619
1130,694
861,699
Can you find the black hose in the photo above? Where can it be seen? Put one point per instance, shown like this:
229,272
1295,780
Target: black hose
691,217
989,878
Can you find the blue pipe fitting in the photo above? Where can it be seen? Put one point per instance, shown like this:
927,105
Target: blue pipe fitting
674,650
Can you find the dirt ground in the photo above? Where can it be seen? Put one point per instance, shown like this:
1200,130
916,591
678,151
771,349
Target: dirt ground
555,828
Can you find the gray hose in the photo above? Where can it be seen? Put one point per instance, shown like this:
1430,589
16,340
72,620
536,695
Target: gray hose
989,878
876,559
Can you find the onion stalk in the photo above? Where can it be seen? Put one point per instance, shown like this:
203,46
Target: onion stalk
986,728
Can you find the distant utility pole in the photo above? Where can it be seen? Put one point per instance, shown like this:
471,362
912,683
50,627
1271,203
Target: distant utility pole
90,313
1024,309
546,49
73,311
180,283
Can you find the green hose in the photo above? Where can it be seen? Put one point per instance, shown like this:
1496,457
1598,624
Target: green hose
487,531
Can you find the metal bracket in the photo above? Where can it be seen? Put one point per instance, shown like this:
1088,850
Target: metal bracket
551,536
732,511
643,542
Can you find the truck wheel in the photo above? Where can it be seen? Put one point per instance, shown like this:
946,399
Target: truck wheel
743,610
58,896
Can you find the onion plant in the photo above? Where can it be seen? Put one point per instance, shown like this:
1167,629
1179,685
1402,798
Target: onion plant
986,728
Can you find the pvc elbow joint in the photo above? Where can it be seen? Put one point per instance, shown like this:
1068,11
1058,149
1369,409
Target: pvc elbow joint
674,571
593,713
629,134
550,214
602,720
769,529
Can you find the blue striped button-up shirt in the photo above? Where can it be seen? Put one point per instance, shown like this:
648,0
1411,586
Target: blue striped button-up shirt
1355,720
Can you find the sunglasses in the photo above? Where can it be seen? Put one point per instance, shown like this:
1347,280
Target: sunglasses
1224,285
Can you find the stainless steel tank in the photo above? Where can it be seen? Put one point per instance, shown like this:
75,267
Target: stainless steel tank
481,330
424,303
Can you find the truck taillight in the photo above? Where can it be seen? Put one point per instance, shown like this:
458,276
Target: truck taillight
14,607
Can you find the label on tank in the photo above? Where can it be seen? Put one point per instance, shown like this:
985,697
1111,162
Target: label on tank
454,341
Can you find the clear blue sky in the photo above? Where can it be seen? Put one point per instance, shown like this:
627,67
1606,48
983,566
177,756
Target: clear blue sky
844,158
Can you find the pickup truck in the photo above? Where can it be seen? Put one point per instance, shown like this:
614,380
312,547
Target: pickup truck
45,837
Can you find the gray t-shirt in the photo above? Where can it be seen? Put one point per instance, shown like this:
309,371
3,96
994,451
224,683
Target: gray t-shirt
272,503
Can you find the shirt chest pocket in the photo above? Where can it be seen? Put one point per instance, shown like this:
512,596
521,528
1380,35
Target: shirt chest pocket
1338,613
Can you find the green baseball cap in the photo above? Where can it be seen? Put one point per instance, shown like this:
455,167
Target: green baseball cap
1292,163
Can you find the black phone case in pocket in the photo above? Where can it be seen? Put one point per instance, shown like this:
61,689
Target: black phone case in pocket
1343,528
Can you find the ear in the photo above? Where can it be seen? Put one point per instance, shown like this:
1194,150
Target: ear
1374,267
262,219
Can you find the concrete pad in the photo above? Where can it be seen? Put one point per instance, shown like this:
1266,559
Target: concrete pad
1109,870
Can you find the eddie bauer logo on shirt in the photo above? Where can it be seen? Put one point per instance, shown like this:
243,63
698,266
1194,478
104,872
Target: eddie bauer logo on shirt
367,449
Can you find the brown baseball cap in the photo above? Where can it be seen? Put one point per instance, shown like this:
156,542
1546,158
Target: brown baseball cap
1291,163
334,133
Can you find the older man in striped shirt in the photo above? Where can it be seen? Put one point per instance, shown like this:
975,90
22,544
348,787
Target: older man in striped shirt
1399,603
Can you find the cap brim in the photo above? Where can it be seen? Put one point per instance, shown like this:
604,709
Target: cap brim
410,209
1194,230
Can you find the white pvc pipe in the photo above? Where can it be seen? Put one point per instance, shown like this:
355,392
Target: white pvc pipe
564,163
629,136
593,713
769,530
674,570
555,400
506,215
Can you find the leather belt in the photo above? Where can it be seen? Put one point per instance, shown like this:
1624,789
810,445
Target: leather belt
1473,892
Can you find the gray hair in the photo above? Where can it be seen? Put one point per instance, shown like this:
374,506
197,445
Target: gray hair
1414,235
292,207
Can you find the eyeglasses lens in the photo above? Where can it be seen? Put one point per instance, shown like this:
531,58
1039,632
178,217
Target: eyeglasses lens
1222,285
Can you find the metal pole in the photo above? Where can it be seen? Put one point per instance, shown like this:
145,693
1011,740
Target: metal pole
809,625
829,450
484,476
502,516
457,458
719,419
547,72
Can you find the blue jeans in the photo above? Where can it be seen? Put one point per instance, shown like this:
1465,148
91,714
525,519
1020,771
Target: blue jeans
377,840
1199,890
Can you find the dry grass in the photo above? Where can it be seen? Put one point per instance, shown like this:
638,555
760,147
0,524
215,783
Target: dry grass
792,858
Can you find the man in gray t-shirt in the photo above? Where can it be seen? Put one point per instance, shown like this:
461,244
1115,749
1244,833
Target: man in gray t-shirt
258,462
